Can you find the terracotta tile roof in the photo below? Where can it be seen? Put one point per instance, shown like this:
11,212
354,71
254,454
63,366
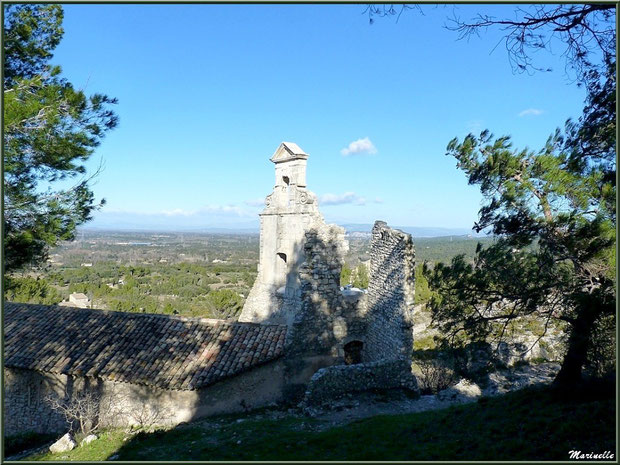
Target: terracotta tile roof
170,352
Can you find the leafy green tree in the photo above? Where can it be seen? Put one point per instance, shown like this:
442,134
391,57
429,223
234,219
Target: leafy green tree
422,290
50,129
30,290
31,32
168,308
248,278
554,212
225,303
345,275
361,277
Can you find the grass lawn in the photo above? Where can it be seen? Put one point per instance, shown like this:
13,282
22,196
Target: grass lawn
533,424
106,445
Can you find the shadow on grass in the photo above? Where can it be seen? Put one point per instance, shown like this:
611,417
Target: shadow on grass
533,424
19,443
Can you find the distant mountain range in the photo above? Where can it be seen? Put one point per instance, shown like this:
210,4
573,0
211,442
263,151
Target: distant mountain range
250,228
416,231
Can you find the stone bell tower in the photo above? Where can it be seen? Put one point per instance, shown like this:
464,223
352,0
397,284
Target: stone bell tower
290,210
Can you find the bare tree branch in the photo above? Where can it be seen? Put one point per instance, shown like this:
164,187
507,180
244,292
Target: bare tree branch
584,29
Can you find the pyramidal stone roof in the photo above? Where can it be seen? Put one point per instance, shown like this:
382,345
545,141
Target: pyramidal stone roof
168,352
288,151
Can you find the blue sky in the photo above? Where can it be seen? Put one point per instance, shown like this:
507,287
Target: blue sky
207,93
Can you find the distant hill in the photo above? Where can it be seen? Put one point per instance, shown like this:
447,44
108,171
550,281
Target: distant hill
121,227
416,231
252,228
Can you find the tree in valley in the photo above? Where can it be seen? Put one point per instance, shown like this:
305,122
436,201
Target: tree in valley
224,303
361,276
31,290
50,129
345,275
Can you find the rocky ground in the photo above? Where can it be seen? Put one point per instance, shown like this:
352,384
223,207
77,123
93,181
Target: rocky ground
365,405
362,405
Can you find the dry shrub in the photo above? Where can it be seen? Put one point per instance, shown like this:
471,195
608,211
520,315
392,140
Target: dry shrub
434,375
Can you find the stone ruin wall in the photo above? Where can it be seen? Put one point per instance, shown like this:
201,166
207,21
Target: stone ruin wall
298,282
390,297
28,394
326,320
333,382
382,319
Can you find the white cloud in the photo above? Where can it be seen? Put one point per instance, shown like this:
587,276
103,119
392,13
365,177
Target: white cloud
474,126
348,198
215,210
257,202
176,212
342,199
531,112
218,210
359,146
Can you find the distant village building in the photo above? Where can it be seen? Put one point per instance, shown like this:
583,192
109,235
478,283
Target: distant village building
53,259
300,337
86,264
76,299
80,300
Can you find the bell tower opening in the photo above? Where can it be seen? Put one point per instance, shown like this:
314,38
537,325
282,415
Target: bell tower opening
281,269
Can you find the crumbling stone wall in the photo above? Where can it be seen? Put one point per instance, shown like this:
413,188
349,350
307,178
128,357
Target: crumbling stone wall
380,320
28,394
323,318
334,382
390,296
298,282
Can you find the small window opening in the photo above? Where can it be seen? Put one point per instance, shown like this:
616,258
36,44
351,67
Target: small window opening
282,256
286,180
353,352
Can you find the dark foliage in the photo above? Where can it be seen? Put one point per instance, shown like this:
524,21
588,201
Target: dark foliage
50,129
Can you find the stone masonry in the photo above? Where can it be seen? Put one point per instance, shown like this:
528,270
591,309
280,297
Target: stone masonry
333,382
298,284
324,320
290,211
390,298
381,320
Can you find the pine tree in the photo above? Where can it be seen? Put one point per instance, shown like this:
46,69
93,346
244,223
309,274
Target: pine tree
554,213
50,129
